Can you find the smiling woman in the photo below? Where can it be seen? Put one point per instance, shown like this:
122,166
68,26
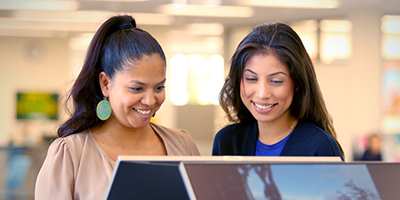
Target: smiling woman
119,89
271,94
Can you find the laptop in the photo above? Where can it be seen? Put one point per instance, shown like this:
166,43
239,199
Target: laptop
291,181
160,177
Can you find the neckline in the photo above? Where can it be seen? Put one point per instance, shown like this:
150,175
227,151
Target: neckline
100,149
152,126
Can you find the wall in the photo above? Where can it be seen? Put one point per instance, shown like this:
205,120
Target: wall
351,90
29,64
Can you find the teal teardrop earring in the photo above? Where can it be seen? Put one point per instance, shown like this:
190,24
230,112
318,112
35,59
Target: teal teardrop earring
103,109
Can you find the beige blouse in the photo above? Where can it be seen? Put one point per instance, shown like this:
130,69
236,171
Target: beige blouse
77,168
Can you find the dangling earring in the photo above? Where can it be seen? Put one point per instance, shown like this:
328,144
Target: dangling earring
103,109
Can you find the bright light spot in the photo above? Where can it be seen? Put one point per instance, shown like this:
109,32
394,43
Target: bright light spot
196,79
391,37
335,40
179,95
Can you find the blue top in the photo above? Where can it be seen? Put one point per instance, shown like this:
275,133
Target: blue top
270,150
306,140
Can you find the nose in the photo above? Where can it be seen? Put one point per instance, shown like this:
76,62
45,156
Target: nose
263,90
149,99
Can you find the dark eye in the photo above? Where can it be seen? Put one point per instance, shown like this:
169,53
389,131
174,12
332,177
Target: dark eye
276,81
159,88
135,88
251,79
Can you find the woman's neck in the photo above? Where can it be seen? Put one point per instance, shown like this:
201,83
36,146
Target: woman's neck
116,140
114,132
274,131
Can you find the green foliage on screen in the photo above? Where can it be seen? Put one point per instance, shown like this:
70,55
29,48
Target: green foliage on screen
31,105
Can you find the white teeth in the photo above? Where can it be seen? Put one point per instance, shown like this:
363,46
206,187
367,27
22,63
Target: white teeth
263,107
143,112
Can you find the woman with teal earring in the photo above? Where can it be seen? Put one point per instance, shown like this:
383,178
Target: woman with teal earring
120,87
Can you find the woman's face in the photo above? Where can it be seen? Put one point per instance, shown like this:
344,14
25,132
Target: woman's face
136,93
266,88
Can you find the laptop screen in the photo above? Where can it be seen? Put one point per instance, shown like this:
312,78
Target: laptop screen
159,177
290,181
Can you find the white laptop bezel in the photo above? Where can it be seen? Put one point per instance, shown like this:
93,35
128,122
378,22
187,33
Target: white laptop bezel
186,181
250,159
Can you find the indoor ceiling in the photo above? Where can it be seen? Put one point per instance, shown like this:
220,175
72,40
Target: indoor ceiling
86,15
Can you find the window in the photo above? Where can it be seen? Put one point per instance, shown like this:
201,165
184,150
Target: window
390,26
335,41
196,79
326,41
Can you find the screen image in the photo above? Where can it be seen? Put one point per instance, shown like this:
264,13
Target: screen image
309,182
298,181
31,105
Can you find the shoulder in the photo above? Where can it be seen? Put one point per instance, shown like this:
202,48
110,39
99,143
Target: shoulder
71,141
178,141
233,131
227,131
236,139
224,139
309,140
313,133
179,134
69,146
58,174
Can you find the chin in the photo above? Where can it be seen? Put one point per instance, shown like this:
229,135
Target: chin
264,119
139,125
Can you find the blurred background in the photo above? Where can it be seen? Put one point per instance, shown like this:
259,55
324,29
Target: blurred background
354,44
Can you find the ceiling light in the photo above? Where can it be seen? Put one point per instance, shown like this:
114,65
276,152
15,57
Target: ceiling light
30,33
207,11
18,24
152,18
205,29
67,21
38,5
116,0
336,25
90,16
292,3
42,19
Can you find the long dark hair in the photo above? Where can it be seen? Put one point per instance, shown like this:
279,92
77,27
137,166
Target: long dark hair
283,42
116,43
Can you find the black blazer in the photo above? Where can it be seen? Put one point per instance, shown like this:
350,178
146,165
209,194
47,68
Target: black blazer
305,140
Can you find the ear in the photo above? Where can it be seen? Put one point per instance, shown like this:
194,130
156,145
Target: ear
104,82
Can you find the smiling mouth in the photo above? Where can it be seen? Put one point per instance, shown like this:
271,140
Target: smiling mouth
264,106
143,112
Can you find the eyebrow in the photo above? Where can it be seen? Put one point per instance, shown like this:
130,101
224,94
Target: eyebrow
141,83
273,74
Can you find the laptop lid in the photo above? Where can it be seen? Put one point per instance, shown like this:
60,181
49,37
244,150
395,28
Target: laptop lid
289,181
158,177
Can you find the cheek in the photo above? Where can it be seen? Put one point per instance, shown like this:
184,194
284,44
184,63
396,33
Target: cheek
129,99
287,94
160,97
242,91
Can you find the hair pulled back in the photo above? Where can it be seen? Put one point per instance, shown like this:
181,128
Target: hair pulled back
116,43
